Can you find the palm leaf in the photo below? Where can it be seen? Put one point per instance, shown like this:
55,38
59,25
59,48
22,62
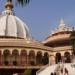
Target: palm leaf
20,2
9,0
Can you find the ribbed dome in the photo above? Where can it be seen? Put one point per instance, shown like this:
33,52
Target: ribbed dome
12,26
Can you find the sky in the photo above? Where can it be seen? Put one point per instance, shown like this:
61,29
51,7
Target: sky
42,16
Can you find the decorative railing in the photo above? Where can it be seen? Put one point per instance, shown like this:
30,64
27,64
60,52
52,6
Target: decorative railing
21,67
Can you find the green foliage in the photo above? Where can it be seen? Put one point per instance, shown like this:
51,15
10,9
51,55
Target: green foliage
27,72
73,41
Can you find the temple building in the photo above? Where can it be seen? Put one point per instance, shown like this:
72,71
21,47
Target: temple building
18,51
62,59
60,40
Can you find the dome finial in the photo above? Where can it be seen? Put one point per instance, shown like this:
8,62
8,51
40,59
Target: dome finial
9,5
62,22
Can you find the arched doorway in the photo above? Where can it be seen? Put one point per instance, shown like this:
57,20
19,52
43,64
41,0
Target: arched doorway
58,58
15,57
45,59
6,57
39,58
32,57
67,57
23,57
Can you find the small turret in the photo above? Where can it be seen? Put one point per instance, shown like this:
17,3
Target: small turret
61,28
8,5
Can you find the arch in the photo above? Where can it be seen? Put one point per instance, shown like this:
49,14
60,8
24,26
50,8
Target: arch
6,57
58,58
23,57
67,57
39,58
15,57
45,59
31,57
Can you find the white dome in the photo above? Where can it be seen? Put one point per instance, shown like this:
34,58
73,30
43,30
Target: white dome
12,26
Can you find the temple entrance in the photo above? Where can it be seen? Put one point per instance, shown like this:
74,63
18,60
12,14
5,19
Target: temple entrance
67,57
58,57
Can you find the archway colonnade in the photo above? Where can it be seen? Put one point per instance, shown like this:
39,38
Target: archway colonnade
66,58
22,58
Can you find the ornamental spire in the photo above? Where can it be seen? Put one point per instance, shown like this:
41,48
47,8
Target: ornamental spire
61,23
9,5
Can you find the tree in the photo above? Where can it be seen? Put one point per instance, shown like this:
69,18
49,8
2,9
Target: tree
73,41
20,2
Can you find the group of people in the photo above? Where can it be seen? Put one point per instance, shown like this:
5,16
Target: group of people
53,73
64,72
61,72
